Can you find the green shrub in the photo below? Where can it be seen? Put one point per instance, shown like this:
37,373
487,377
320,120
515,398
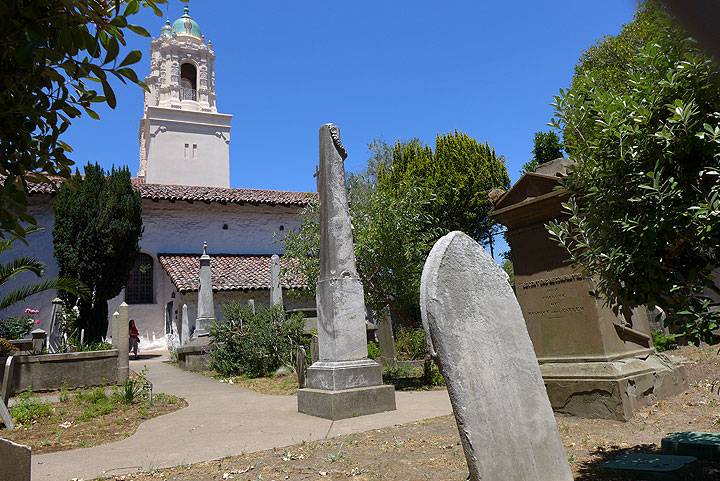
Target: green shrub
29,409
91,396
432,375
132,390
6,348
664,342
410,344
96,409
93,346
16,327
254,344
373,350
397,371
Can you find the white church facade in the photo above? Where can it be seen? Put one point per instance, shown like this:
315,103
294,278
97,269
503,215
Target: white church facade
184,182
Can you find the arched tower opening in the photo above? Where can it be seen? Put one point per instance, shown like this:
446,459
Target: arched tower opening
188,82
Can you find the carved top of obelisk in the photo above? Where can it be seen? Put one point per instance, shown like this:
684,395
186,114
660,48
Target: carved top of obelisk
337,257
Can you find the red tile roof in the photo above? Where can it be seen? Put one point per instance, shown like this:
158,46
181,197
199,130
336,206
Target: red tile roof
224,196
230,272
190,193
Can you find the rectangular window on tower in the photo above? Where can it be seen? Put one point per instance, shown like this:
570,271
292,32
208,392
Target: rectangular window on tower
194,152
187,151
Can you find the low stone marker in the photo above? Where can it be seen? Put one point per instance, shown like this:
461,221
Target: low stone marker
15,462
39,338
483,349
699,445
386,338
654,467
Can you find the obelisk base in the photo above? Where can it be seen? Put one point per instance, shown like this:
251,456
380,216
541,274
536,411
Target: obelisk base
345,389
194,356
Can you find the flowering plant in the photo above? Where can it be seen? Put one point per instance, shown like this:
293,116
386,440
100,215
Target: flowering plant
17,327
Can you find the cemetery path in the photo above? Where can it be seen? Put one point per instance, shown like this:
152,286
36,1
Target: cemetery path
220,420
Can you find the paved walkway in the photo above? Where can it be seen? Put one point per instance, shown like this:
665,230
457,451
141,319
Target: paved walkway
221,420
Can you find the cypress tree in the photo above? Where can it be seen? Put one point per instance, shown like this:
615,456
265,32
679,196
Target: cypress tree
98,222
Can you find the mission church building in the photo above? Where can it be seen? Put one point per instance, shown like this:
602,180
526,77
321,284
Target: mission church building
184,182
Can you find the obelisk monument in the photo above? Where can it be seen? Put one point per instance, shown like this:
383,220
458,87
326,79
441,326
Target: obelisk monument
343,383
276,298
206,304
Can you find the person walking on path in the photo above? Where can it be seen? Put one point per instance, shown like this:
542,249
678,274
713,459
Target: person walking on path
134,338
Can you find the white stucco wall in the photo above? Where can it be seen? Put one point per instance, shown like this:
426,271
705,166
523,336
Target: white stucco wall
40,246
180,228
205,161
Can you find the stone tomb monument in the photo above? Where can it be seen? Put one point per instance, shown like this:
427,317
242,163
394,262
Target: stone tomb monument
483,350
594,363
343,383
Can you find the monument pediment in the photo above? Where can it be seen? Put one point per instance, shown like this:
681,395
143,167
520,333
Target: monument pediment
530,186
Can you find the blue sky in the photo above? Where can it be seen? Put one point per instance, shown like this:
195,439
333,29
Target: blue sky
379,69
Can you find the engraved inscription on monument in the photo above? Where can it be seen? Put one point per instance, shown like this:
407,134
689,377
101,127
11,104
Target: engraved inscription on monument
554,298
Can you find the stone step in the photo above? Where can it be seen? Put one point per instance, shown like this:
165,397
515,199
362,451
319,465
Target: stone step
654,467
697,444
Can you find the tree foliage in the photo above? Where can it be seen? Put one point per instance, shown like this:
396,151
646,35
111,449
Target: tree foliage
98,222
407,198
644,216
547,146
57,59
458,175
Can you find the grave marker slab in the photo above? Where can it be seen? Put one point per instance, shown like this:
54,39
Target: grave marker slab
505,421
697,444
654,467
15,461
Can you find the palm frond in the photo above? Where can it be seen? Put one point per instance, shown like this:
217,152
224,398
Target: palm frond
18,266
71,286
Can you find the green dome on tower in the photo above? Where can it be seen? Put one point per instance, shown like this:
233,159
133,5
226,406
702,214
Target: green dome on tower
185,25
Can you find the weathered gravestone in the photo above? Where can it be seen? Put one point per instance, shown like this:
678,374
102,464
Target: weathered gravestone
15,461
594,363
386,339
343,383
478,334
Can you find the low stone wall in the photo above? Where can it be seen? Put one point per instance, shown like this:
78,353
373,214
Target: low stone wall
49,372
22,345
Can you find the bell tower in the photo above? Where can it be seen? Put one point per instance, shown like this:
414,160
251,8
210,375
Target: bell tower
183,138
